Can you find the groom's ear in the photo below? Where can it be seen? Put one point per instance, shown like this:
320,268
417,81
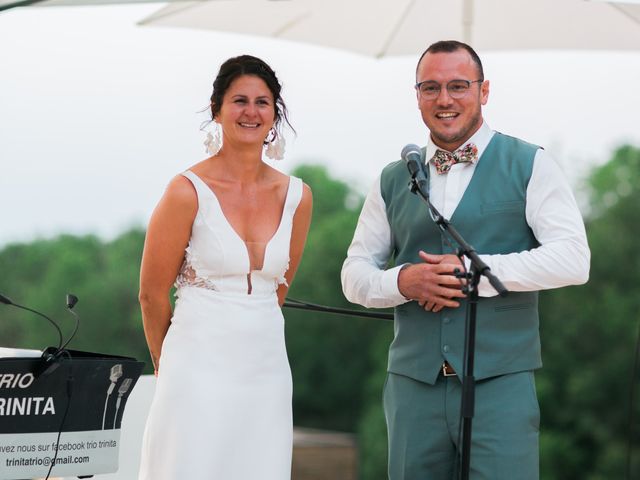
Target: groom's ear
484,92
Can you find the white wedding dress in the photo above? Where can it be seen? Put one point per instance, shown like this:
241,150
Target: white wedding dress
222,406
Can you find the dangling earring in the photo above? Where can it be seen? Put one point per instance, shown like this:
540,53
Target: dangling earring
275,146
213,142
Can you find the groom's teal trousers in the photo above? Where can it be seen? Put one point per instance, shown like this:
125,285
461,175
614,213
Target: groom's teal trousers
423,423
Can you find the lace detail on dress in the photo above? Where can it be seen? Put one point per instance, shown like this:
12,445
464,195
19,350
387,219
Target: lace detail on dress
188,275
281,279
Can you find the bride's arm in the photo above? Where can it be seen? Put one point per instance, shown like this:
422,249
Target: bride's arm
167,237
301,222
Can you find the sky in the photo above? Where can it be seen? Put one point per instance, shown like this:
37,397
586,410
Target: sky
97,114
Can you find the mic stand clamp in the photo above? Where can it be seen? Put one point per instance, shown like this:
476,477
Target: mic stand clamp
49,361
413,186
476,270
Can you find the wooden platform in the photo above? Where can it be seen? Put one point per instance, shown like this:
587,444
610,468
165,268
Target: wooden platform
324,455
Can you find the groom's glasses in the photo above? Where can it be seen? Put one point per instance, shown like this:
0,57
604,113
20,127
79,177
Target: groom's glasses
430,90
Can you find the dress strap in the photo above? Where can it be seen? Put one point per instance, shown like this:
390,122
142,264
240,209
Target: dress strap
294,195
202,189
197,182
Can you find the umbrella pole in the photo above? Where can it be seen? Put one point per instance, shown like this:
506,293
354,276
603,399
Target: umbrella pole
467,21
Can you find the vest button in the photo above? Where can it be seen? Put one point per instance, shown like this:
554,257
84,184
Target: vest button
446,320
445,348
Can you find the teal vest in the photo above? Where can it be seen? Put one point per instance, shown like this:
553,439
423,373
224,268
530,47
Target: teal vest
491,218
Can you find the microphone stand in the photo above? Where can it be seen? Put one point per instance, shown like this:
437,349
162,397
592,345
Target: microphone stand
478,268
301,305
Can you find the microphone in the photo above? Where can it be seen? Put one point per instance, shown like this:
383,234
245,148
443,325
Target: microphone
114,375
124,388
8,301
412,155
71,302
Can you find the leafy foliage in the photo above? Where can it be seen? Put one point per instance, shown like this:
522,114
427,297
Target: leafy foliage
329,354
589,337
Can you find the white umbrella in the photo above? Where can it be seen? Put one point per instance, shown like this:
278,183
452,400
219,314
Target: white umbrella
397,27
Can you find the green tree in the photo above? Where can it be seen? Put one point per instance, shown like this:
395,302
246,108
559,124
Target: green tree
103,276
589,335
329,354
338,362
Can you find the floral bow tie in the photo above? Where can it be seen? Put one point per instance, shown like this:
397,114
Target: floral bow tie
443,159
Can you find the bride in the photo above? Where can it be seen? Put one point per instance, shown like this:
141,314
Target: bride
229,232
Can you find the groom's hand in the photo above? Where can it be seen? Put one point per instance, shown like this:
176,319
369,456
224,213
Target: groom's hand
432,284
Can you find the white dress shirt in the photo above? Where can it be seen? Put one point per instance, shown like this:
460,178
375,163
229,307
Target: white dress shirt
551,211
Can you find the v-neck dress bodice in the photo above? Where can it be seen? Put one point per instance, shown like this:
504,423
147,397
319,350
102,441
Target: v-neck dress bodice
217,258
222,405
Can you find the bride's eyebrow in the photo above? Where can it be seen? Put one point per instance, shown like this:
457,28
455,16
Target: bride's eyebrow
240,96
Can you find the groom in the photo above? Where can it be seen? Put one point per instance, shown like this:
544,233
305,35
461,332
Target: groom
509,200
